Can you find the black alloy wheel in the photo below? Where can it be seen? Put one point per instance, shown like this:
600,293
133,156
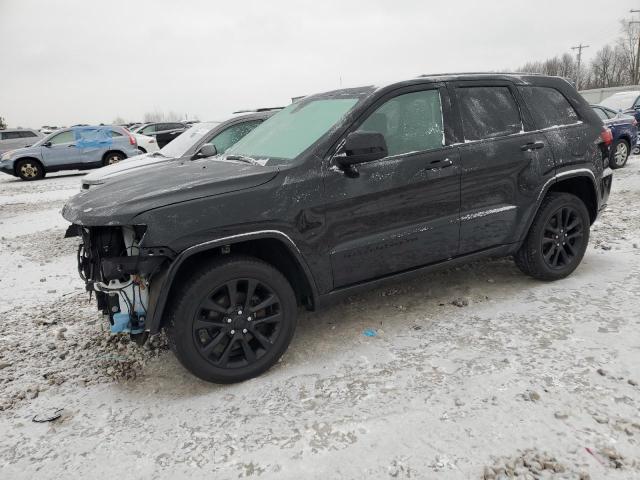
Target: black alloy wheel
557,239
563,237
237,323
231,319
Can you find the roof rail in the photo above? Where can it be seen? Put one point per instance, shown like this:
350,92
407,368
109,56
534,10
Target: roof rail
256,110
475,73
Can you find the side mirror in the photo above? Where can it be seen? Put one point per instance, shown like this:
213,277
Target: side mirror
206,150
46,144
361,147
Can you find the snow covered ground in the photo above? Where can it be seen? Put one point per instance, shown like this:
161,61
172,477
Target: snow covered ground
472,371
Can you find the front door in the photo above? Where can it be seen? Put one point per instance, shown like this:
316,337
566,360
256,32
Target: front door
402,211
503,162
61,150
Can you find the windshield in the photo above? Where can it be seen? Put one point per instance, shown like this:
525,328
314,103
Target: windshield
291,131
620,101
182,144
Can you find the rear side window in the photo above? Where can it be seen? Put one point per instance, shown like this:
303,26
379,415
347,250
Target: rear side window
115,134
488,112
548,107
409,123
10,135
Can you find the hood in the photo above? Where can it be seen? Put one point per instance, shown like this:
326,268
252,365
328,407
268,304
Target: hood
121,197
22,152
101,174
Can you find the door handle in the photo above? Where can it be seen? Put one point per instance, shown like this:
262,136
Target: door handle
436,164
69,146
532,146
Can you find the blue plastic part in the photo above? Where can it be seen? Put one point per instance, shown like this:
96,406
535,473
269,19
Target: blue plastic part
122,323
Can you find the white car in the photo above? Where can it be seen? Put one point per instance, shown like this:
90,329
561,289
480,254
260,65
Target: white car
146,144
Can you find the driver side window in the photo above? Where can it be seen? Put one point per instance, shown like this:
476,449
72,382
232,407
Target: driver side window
409,123
232,135
64,137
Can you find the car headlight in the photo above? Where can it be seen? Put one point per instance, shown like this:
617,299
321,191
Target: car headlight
6,156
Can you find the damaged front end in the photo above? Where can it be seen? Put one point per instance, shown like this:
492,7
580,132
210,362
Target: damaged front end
119,271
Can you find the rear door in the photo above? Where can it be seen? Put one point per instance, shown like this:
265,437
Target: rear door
570,138
503,163
402,211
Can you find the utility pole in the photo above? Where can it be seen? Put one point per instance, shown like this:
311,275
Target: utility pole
636,65
579,48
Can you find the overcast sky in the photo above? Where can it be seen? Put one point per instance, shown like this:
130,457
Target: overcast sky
82,61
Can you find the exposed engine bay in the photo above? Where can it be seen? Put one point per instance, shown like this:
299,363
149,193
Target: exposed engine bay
113,267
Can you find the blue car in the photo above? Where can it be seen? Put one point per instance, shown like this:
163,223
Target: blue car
625,134
77,148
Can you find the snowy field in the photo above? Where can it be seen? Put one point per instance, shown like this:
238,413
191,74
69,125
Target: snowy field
474,372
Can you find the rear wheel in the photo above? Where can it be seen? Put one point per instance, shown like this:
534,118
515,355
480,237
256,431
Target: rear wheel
619,153
29,169
232,320
113,157
557,240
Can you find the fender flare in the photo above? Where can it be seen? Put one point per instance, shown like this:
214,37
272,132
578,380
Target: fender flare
163,281
579,172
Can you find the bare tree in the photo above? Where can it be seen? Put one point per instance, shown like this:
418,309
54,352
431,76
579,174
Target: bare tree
119,121
628,44
160,116
3,124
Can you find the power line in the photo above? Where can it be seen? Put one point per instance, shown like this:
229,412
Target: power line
579,48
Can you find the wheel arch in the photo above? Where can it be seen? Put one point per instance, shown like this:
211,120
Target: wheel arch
580,182
273,247
18,160
582,186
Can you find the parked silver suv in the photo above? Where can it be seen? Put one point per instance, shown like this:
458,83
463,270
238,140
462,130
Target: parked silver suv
18,138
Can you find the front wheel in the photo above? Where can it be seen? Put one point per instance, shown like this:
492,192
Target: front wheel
29,169
619,153
232,320
557,239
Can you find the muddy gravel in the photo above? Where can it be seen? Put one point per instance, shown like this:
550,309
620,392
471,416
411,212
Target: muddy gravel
472,372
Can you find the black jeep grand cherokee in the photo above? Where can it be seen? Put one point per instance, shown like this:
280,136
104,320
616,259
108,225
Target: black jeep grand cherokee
337,192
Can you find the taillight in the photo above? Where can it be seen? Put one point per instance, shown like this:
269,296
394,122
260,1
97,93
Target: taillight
132,139
606,136
635,122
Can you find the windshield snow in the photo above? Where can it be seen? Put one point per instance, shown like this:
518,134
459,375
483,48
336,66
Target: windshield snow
291,131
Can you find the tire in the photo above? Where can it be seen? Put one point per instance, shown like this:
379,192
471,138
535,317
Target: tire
619,153
635,150
224,341
30,169
112,157
560,214
142,150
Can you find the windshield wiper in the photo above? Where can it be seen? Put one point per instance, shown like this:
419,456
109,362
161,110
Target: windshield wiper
158,154
242,158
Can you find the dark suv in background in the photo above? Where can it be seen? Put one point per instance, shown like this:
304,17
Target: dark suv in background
338,192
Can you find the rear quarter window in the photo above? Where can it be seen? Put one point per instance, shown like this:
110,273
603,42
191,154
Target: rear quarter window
548,107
